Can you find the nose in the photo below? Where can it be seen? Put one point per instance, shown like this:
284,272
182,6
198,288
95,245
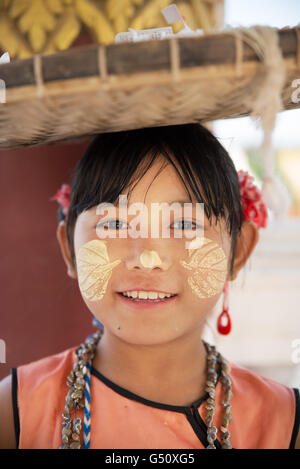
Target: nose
147,260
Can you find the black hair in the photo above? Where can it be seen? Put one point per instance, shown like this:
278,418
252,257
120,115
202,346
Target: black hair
114,161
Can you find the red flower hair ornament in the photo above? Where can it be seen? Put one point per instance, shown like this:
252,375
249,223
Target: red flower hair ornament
254,208
63,196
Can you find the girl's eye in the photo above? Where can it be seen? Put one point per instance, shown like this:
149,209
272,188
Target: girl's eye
112,225
185,225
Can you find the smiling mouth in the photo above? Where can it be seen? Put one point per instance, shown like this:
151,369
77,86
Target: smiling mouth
147,296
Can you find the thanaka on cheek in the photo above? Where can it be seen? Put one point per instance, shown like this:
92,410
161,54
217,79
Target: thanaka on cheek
208,266
94,269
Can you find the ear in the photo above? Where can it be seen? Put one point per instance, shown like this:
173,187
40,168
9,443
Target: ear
61,234
246,243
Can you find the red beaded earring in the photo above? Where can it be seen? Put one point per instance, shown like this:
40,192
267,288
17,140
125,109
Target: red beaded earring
224,321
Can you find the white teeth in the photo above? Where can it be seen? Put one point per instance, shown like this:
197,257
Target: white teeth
133,294
143,295
152,295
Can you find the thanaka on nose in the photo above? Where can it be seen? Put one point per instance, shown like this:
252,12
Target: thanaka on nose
150,259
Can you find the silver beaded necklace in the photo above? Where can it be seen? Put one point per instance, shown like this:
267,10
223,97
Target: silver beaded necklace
78,396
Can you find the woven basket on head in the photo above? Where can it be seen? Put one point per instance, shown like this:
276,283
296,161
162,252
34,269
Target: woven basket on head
74,94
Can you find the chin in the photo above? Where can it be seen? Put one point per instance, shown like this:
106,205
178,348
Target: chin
143,337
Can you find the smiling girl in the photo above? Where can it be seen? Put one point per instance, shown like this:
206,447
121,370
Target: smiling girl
147,379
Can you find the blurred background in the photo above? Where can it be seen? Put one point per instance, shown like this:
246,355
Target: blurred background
265,298
41,308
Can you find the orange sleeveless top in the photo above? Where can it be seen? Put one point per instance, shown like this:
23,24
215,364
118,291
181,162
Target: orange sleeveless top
265,414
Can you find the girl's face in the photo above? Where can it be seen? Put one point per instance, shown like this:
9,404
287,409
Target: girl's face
109,268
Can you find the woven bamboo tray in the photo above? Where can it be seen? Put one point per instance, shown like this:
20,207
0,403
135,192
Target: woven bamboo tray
74,94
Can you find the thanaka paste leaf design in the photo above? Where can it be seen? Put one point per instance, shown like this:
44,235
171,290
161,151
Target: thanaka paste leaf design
94,269
209,269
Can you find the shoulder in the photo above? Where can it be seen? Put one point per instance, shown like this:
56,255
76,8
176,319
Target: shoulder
265,398
38,372
51,361
247,381
28,386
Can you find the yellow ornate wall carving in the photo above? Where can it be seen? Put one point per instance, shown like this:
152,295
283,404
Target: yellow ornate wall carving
29,27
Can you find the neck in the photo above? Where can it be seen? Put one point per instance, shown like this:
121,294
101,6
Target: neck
172,373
